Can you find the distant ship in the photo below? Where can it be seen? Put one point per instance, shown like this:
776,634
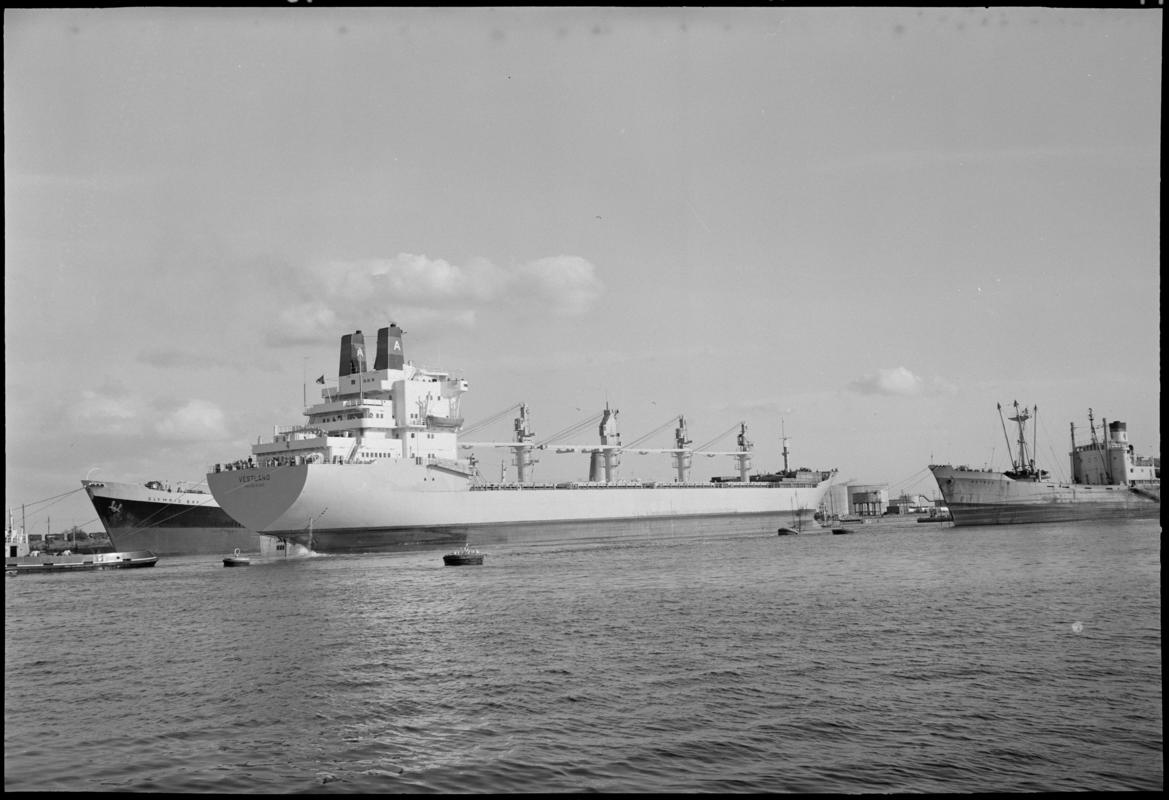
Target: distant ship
376,467
1108,482
167,520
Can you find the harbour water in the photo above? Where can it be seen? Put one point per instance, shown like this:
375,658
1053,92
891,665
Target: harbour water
904,658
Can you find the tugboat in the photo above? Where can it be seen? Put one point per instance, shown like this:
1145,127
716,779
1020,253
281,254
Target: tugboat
236,560
937,515
797,513
462,557
19,558
797,530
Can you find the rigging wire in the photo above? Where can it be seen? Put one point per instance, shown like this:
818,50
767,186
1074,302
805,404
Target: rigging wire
1057,463
672,420
721,435
493,418
55,498
904,484
570,429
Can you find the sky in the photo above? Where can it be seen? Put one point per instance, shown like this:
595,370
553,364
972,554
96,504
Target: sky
861,229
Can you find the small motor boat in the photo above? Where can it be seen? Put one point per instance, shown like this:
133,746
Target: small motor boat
236,560
462,557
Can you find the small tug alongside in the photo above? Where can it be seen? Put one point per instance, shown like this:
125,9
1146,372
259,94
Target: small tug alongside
463,557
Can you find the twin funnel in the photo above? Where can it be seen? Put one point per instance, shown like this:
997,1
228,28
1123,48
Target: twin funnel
389,351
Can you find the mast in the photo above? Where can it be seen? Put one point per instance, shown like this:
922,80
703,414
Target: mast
1107,449
1099,446
1020,419
1008,438
744,454
1034,435
523,433
609,435
783,440
682,456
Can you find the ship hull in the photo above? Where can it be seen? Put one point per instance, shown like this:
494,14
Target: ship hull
982,497
167,523
347,508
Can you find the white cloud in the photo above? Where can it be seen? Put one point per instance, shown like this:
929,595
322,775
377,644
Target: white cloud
901,382
303,323
897,381
419,286
105,414
197,421
406,278
568,284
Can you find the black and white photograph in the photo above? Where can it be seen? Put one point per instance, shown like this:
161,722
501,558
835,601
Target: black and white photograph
624,399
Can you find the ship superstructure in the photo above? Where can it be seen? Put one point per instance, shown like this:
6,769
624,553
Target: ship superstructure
1111,461
376,466
393,411
1108,481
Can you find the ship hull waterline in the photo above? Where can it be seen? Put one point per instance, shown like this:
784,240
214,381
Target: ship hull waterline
992,498
367,508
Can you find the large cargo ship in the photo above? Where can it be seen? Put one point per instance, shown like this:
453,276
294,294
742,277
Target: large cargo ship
167,519
376,467
1108,481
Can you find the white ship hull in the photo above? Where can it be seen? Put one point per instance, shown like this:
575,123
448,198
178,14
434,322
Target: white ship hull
370,507
376,467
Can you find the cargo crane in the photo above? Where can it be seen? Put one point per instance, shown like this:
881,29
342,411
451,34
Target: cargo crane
604,457
522,446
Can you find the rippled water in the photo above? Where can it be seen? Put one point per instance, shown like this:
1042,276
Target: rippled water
905,657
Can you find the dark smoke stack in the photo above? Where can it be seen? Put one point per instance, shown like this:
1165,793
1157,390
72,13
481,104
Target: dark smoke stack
389,348
352,354
343,368
1117,432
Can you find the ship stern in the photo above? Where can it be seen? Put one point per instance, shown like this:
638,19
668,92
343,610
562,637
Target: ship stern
257,497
